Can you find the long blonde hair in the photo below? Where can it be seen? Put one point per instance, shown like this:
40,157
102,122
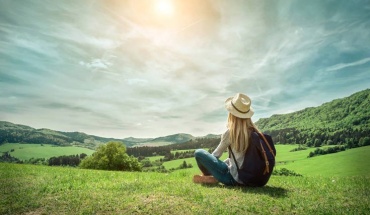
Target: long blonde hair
240,130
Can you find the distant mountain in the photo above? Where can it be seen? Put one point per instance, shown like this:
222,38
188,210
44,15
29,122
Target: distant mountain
175,138
16,133
341,121
137,140
213,136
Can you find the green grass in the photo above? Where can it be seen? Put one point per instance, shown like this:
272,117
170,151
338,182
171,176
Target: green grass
284,154
352,162
32,189
332,184
154,158
27,151
177,163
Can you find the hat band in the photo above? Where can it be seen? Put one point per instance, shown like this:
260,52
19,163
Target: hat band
238,109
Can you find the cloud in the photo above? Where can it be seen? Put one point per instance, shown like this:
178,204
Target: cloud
346,65
113,68
96,64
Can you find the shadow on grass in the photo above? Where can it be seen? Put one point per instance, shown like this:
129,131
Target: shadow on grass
277,192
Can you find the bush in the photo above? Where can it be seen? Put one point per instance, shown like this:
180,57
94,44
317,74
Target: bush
184,165
300,148
111,156
330,150
285,172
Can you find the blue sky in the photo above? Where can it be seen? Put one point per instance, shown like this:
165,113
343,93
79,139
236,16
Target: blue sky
157,67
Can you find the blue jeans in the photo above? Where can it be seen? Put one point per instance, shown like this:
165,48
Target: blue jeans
210,165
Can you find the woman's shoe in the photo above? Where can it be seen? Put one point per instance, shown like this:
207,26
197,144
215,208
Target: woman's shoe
204,179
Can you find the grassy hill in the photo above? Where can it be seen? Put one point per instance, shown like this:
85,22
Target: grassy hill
352,162
12,133
16,133
341,121
351,111
31,189
343,177
27,151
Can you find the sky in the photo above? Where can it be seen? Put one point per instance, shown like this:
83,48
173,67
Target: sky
150,68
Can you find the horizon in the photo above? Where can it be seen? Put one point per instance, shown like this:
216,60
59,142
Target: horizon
122,138
123,69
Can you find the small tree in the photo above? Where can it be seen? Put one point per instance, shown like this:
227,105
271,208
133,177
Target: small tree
317,143
184,165
111,156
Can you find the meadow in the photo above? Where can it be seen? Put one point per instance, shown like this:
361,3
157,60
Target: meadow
352,162
33,189
347,163
331,184
24,151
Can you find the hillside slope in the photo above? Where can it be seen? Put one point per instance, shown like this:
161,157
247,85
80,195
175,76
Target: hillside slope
16,133
351,111
341,121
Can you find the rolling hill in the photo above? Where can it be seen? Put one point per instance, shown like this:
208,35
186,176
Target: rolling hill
341,121
16,133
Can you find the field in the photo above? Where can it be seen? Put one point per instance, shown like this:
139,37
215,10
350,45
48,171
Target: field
32,189
352,162
347,163
27,151
331,184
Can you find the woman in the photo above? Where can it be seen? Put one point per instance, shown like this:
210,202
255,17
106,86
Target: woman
237,136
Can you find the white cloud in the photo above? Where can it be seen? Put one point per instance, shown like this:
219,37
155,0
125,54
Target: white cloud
98,64
346,65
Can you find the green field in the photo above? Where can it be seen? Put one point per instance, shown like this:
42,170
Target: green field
331,184
27,151
352,162
154,158
33,189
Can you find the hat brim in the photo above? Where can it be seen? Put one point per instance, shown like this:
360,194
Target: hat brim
229,107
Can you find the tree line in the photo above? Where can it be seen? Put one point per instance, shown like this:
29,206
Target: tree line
66,160
351,137
329,150
147,151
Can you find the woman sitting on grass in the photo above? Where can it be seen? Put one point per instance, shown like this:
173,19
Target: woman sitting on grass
237,136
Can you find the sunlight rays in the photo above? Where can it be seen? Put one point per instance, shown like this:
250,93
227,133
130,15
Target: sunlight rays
164,7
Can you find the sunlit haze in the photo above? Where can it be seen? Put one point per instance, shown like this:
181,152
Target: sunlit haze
164,7
149,68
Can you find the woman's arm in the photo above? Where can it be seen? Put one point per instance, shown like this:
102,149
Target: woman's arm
224,143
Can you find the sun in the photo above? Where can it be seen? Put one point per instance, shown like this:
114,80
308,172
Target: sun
164,7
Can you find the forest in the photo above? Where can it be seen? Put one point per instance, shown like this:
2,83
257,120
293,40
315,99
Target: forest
339,122
147,151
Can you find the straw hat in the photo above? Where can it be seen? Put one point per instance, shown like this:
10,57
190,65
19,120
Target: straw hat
239,106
